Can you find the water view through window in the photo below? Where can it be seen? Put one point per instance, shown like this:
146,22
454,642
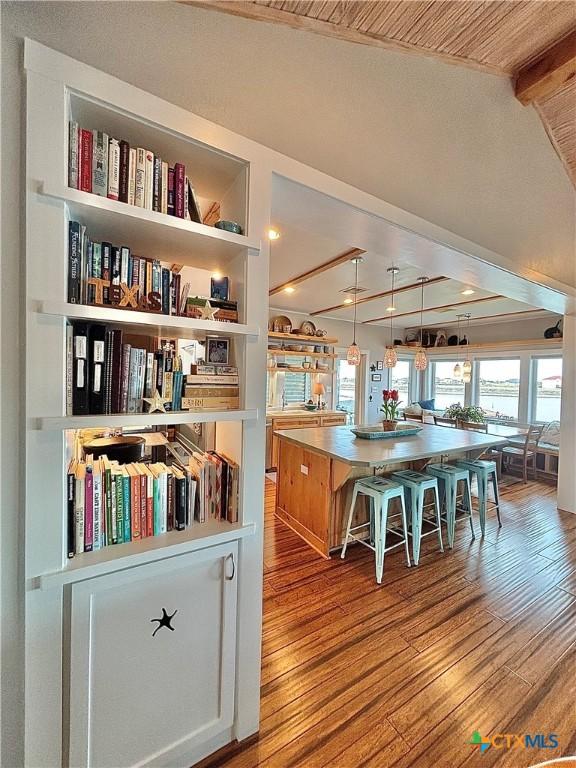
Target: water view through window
447,389
548,379
499,387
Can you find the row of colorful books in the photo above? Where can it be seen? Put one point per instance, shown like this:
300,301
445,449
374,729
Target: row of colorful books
111,503
94,268
110,371
106,166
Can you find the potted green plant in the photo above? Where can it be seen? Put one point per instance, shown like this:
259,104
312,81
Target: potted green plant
470,413
389,408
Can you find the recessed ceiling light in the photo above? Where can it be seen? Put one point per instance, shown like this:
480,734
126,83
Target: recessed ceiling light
468,292
273,234
347,301
217,276
390,309
289,289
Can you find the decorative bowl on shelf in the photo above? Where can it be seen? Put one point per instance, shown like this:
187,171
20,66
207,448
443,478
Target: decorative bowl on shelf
229,226
122,448
307,328
310,406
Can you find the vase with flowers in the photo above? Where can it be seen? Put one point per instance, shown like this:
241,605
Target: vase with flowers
389,408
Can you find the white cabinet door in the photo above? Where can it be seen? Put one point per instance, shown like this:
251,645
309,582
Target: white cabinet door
145,691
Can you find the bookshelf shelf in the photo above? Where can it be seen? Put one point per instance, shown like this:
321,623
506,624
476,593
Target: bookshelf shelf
301,370
291,353
122,556
141,419
300,337
163,325
167,237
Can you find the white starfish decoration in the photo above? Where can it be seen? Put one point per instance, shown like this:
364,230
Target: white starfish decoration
157,403
208,312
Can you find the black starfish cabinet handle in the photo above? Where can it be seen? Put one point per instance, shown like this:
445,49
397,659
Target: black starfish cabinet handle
164,621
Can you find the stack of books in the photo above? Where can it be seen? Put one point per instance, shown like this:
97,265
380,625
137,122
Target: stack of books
110,275
211,386
106,166
109,371
225,311
111,503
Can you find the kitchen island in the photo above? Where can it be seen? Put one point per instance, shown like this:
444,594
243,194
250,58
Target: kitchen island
317,469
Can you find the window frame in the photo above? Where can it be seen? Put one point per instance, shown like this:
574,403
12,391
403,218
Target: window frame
533,386
412,379
523,375
431,388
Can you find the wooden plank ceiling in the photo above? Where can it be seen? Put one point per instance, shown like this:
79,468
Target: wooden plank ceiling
505,38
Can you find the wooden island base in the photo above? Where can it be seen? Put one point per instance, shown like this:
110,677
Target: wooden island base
317,469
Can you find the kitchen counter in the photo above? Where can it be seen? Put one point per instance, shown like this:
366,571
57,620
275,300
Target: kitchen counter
287,412
295,418
341,444
317,469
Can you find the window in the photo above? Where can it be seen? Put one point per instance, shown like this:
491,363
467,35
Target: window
547,388
446,388
296,387
498,389
346,388
400,380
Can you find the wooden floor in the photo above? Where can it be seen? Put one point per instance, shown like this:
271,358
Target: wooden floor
482,638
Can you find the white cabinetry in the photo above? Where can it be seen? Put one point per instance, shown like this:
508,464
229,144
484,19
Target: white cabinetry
100,689
143,692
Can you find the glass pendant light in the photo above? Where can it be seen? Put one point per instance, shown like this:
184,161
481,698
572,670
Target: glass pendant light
467,367
353,353
421,361
457,372
390,356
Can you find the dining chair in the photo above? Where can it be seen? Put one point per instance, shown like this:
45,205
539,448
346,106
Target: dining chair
442,421
414,417
473,426
524,454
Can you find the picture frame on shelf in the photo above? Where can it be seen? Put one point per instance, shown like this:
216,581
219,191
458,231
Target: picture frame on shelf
218,351
220,288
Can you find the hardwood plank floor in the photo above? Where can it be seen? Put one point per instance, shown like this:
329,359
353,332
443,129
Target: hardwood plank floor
480,638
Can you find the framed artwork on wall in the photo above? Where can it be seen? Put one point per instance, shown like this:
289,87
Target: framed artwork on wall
379,365
376,377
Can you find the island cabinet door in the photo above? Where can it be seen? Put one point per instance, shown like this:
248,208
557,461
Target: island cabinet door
152,666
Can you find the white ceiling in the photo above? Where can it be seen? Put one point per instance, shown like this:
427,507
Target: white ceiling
301,249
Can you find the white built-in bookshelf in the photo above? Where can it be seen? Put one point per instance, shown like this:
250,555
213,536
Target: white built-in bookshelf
88,619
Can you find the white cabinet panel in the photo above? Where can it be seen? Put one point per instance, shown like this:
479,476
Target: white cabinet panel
144,692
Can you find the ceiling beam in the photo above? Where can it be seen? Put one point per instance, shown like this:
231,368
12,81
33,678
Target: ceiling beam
548,73
453,323
381,295
434,309
348,255
251,10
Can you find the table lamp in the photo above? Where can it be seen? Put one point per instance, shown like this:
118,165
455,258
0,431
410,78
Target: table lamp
318,389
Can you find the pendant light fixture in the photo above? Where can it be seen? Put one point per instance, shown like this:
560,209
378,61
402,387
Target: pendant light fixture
457,372
467,367
421,361
353,353
390,356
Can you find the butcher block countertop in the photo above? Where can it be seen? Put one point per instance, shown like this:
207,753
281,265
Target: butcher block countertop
341,444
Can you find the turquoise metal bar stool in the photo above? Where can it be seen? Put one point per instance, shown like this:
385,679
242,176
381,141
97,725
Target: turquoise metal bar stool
449,477
486,472
417,483
381,492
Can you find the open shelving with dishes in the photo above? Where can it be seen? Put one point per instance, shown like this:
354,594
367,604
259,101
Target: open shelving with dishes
143,302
